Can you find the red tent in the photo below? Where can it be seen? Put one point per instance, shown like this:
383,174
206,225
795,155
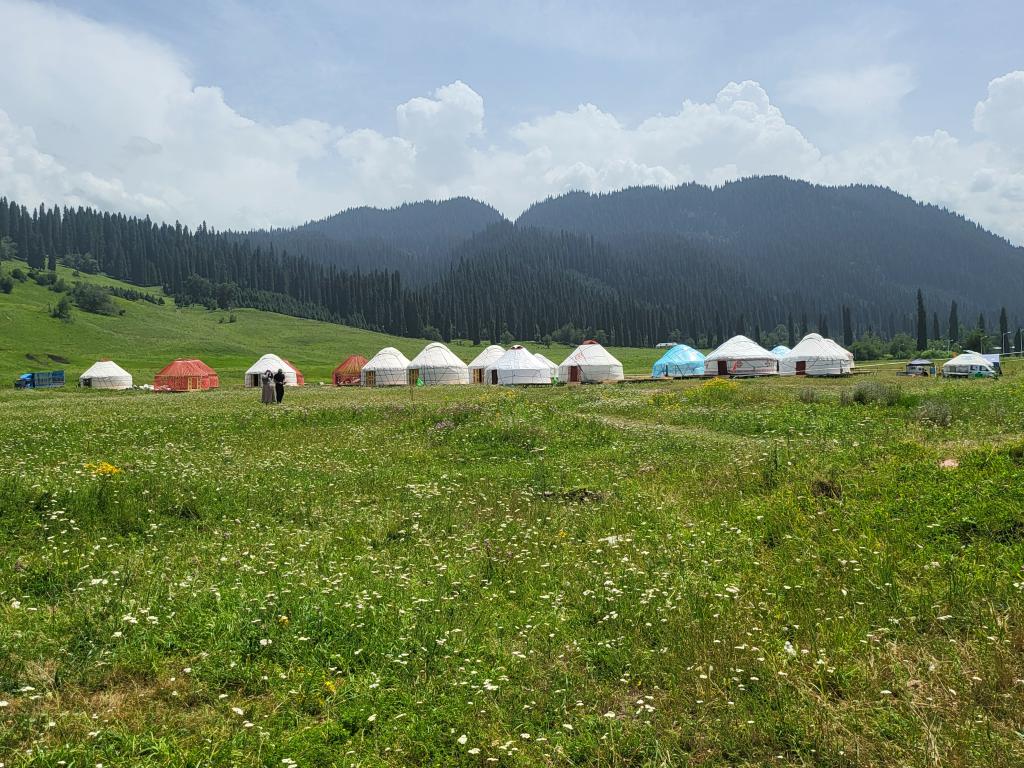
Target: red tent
347,374
186,375
300,380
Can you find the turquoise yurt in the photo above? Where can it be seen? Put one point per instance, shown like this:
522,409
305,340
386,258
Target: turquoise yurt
679,361
780,351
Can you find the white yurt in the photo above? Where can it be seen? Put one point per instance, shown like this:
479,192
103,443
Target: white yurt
437,364
483,361
815,356
968,365
552,368
845,352
740,356
518,366
273,363
105,374
388,368
590,363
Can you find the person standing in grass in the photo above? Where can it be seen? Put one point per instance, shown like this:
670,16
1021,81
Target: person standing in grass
279,384
267,384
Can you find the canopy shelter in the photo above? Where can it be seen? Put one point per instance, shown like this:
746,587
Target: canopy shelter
437,364
590,363
105,374
968,365
678,362
740,356
518,366
186,376
815,356
273,363
780,350
388,368
552,368
920,367
348,373
478,367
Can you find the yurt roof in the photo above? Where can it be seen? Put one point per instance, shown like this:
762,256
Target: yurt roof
351,364
842,350
271,362
740,348
487,356
969,358
436,355
545,361
191,367
681,353
814,346
519,358
779,350
590,353
104,369
389,357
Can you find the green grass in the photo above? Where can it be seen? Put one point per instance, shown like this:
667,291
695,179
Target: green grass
669,574
147,337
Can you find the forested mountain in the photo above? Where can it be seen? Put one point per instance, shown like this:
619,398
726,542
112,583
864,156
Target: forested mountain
414,238
634,267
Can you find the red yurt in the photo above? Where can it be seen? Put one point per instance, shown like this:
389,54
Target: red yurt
347,374
185,376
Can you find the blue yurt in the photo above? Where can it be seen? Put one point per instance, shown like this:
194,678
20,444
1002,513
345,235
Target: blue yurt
780,351
679,361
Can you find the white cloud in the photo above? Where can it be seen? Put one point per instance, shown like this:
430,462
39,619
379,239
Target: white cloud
863,94
131,131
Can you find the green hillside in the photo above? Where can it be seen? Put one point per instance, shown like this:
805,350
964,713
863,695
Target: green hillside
147,336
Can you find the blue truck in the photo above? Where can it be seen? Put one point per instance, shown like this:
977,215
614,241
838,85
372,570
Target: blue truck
40,380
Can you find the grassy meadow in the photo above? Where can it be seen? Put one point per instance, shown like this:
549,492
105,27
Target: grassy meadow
148,336
673,574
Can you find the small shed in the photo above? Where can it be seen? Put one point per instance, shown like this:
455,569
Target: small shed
920,367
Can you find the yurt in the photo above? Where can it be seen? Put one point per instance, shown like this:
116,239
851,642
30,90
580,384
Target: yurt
780,351
388,368
483,361
273,363
815,356
348,373
590,363
105,374
740,356
843,351
437,364
678,362
968,365
552,368
185,376
518,366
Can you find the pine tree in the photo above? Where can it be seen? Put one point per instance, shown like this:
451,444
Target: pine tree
1004,329
847,327
922,323
954,324
936,334
790,332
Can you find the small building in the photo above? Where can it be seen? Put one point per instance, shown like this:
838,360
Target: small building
105,374
186,376
590,363
815,356
518,366
920,367
388,368
348,373
478,368
292,375
679,362
740,356
437,364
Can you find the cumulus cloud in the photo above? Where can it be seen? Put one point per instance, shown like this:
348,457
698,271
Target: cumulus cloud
129,130
862,94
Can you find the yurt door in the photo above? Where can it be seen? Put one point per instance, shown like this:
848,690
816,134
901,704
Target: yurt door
371,378
723,368
494,376
478,375
801,367
414,376
575,374
193,383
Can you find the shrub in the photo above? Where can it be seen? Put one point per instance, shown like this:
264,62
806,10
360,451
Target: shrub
19,275
869,392
93,298
6,284
45,278
935,412
62,310
807,395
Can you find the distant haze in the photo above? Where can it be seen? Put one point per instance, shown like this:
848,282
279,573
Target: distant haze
267,114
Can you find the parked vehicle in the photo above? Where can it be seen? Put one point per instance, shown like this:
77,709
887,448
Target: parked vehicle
40,380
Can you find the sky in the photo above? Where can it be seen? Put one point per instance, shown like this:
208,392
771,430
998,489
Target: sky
254,114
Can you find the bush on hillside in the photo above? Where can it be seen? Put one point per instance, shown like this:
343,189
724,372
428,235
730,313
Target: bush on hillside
93,298
6,284
18,274
45,278
62,310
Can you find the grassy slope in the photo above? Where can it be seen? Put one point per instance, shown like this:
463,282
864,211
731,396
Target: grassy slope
148,336
672,574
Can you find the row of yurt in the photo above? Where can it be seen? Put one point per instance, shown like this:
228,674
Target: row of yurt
269,362
679,362
814,355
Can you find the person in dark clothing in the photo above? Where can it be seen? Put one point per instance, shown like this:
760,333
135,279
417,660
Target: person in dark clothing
279,384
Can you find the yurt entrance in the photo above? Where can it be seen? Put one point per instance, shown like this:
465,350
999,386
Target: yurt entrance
478,375
801,367
254,380
723,368
414,376
575,374
371,378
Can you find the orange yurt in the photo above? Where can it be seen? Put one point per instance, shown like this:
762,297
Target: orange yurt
347,374
185,376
